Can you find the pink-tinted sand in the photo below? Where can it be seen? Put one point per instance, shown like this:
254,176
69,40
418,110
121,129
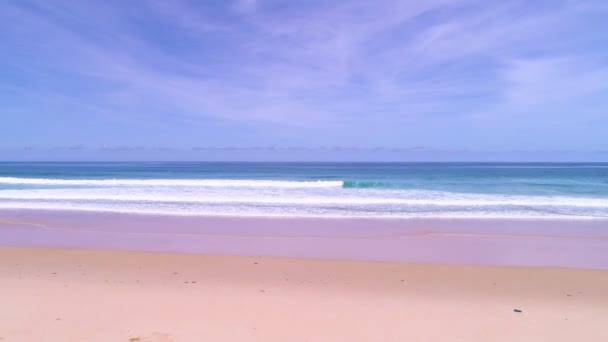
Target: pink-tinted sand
562,243
235,279
70,295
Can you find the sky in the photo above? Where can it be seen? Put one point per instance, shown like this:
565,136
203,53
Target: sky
428,80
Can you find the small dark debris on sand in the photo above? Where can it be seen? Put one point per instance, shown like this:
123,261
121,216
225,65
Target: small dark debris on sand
517,310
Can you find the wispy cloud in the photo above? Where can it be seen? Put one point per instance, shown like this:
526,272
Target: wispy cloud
545,83
310,63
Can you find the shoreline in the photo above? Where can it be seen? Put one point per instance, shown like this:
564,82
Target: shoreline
433,217
572,218
118,277
556,243
98,296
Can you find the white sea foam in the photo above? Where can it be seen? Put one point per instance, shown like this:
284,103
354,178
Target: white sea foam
174,182
222,197
244,212
351,197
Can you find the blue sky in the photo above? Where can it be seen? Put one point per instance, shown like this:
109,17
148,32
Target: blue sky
448,77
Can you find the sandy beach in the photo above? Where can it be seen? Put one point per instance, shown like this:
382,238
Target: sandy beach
78,276
303,171
79,295
555,243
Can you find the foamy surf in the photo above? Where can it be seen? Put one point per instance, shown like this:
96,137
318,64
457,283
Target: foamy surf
311,190
396,197
289,212
174,182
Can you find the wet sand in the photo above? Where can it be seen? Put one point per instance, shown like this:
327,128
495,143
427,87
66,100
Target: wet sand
76,276
559,243
87,295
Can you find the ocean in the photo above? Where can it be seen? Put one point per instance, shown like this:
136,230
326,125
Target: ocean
374,190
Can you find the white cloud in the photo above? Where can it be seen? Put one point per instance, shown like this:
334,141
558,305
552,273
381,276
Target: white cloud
539,84
313,62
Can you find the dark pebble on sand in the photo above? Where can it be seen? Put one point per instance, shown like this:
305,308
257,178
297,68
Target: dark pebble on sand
517,310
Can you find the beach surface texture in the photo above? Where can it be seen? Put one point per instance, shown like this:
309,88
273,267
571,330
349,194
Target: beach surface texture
103,252
155,278
86,295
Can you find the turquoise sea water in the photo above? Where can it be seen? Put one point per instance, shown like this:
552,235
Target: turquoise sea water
404,190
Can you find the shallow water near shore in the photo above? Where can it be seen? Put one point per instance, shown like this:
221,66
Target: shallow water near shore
369,190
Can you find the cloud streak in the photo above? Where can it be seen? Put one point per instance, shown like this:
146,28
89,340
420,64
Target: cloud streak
305,65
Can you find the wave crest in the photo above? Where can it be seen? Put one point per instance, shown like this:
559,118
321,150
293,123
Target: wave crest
174,182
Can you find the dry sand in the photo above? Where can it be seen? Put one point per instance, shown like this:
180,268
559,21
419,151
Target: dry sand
87,295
